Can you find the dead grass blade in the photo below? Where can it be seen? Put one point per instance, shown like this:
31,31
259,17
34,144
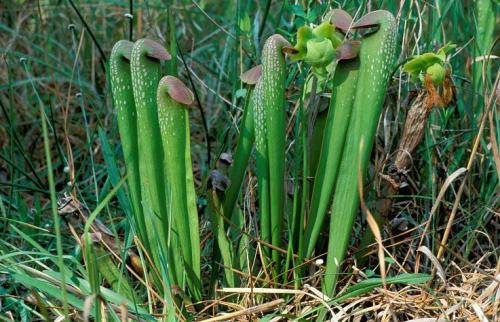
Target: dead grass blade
249,311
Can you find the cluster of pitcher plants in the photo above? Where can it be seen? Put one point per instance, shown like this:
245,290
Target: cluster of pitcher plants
353,60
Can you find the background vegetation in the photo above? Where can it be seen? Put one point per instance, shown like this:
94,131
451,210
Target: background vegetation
58,132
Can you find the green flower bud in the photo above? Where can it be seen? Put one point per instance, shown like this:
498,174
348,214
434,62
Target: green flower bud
327,30
320,38
320,52
420,63
304,34
429,63
437,73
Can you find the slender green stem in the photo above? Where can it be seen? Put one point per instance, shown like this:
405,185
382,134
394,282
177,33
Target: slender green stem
91,34
79,96
263,22
200,107
172,65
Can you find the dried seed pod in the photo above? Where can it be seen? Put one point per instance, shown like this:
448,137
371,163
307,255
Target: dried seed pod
413,132
226,159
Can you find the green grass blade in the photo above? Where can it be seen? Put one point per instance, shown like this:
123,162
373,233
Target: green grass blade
112,274
368,285
49,289
53,201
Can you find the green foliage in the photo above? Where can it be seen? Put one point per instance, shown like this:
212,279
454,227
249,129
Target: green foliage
349,130
172,96
487,13
333,141
292,199
123,99
377,55
160,171
269,117
369,284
